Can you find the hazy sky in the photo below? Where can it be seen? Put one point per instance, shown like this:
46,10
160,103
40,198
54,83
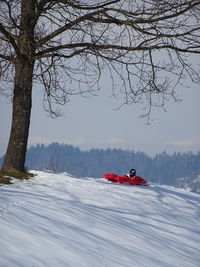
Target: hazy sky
94,123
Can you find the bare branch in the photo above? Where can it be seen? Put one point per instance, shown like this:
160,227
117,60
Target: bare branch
89,7
6,57
74,43
10,38
64,28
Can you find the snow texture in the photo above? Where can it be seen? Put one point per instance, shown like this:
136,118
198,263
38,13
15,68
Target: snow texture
60,220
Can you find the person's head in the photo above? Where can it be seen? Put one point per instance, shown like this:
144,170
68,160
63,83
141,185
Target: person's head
132,173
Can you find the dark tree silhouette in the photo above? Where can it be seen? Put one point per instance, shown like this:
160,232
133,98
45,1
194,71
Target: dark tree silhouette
68,46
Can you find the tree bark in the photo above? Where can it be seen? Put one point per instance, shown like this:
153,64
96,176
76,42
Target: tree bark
22,103
22,96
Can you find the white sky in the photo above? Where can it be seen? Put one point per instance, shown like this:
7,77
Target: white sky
93,123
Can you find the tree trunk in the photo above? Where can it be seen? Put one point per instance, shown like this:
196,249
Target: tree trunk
22,102
22,95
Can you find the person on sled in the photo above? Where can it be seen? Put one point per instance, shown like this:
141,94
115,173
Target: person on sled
130,178
131,174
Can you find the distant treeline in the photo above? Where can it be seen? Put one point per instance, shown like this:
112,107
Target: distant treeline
162,168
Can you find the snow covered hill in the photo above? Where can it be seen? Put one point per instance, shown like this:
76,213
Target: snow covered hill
57,220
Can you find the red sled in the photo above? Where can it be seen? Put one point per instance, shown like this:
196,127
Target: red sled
125,179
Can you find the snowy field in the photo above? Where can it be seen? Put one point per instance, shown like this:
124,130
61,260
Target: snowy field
61,221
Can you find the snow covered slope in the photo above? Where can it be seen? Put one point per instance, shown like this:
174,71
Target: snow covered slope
56,220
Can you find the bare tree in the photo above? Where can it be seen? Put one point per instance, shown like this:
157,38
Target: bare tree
69,45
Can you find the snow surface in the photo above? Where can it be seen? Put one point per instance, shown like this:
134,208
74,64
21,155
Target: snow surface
58,220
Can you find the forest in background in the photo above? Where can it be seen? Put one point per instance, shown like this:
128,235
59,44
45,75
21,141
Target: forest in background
161,169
